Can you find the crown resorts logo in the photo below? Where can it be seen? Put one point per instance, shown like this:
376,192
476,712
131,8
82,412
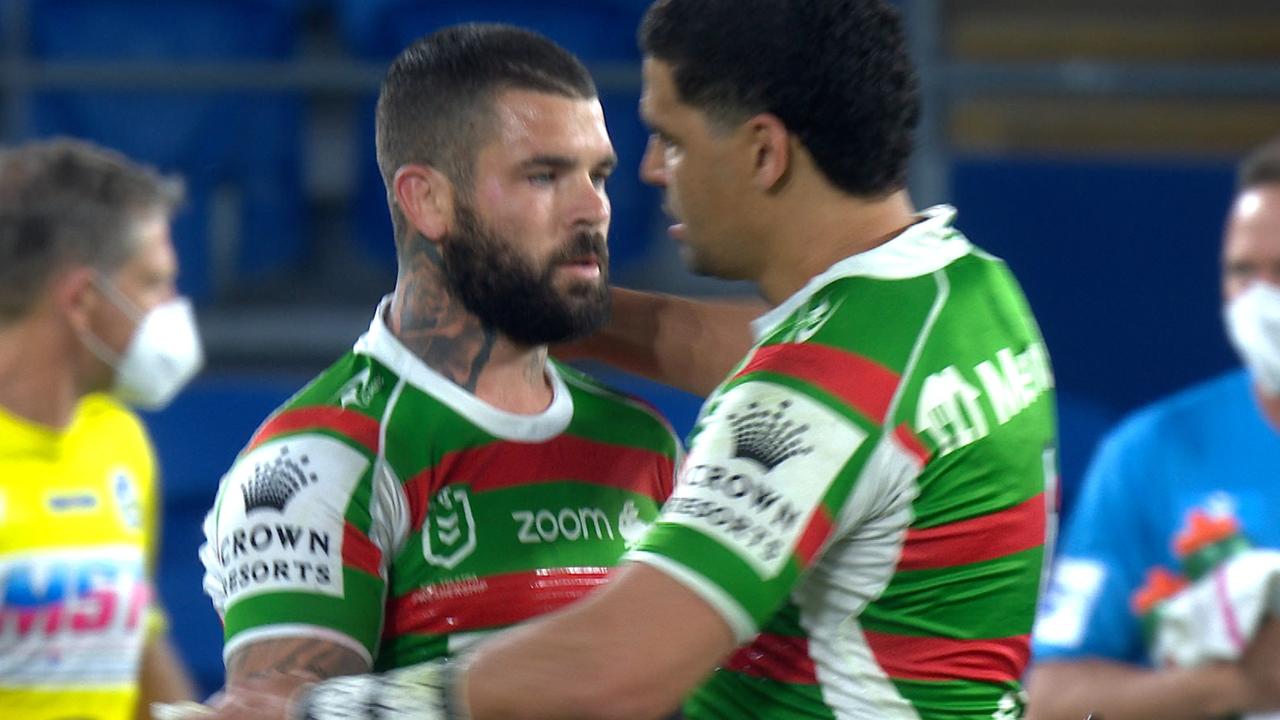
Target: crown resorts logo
275,482
767,436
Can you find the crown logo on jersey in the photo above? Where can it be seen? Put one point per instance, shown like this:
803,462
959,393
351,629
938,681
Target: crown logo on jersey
767,436
275,482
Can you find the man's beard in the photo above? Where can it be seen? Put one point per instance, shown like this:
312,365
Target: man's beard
500,287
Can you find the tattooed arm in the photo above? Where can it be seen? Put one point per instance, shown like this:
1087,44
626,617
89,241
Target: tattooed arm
263,676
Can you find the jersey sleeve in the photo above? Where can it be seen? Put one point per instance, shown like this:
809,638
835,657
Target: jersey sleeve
290,545
1106,551
756,500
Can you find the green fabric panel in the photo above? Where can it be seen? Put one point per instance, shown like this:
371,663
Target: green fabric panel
734,696
886,338
422,430
992,599
963,700
985,477
608,416
688,547
358,613
405,650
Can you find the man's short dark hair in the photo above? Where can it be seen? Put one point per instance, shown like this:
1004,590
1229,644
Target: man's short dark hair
436,103
1261,167
836,72
65,202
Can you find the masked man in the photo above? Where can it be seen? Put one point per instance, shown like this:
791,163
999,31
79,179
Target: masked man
89,319
1205,460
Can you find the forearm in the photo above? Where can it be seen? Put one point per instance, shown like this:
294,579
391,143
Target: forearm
688,344
634,649
1118,691
299,660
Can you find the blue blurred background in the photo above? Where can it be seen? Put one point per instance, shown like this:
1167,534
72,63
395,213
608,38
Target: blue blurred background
1089,143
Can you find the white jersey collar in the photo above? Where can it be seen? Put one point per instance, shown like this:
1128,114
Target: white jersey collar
382,345
925,247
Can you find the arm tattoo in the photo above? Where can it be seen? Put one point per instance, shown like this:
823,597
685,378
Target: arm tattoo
434,324
302,657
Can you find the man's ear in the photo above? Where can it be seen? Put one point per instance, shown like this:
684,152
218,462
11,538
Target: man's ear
74,295
425,197
770,146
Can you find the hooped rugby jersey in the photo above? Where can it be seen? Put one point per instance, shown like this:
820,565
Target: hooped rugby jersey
77,526
387,509
866,498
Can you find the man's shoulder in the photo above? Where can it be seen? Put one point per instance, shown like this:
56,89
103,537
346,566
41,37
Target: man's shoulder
599,403
1196,410
103,410
347,400
108,422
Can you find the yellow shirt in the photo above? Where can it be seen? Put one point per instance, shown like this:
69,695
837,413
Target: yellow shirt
77,513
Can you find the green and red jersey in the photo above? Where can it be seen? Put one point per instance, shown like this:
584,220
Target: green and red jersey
867,499
389,510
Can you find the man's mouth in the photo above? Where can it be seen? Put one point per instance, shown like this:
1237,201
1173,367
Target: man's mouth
586,267
676,230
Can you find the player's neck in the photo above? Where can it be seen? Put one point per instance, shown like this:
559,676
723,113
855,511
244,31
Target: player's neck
830,228
515,378
37,382
436,327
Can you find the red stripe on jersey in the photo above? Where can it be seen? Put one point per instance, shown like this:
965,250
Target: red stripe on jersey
360,428
814,535
861,382
489,602
905,657
911,443
988,537
359,552
566,457
775,657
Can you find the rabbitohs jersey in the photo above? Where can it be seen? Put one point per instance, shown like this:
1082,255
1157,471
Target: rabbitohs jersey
867,497
386,509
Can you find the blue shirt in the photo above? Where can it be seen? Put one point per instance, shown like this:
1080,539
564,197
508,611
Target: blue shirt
1208,448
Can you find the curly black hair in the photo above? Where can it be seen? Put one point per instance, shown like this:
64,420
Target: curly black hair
836,72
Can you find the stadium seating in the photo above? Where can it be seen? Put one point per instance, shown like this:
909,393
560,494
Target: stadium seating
238,151
600,32
1119,259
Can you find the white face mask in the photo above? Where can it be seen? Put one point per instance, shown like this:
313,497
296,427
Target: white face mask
1253,323
161,357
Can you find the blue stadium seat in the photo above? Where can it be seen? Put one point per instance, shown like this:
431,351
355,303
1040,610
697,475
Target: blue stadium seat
1125,290
1081,424
238,151
600,32
196,439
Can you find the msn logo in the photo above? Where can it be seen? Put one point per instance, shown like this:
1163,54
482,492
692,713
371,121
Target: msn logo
66,596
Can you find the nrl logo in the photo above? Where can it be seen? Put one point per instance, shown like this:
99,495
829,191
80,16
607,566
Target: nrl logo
449,532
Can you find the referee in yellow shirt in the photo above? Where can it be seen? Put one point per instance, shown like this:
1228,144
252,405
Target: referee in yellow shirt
89,317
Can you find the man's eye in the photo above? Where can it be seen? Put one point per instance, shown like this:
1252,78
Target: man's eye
542,178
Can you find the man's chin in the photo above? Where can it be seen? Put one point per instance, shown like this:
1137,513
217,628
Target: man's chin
576,291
